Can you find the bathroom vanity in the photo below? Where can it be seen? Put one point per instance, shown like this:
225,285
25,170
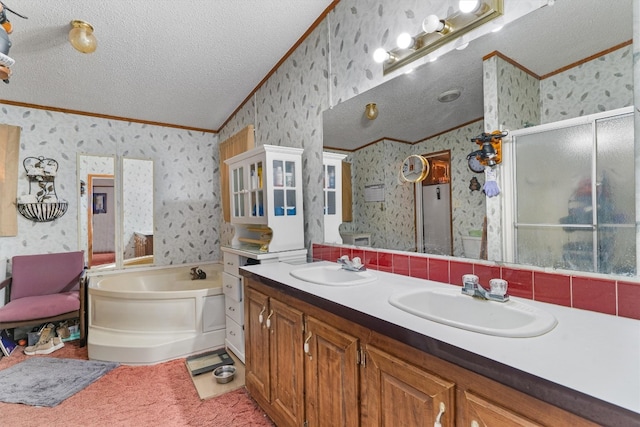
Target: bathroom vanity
342,355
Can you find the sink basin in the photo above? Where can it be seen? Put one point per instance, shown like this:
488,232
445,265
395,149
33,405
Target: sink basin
332,275
451,307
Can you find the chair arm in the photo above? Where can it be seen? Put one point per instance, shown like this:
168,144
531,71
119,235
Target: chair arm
6,282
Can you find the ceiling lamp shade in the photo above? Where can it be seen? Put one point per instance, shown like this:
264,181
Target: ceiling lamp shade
81,37
371,111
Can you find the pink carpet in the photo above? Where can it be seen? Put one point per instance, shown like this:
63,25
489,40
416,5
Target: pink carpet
158,395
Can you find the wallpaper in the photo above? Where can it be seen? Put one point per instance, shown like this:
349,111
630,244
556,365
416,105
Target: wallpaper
186,208
137,202
604,84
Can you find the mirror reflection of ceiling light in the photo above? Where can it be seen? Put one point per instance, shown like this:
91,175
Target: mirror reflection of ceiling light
371,111
449,95
468,6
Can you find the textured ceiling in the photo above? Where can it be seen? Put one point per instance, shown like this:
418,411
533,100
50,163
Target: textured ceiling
182,62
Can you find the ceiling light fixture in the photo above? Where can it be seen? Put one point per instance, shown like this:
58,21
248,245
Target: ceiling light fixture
449,95
81,37
371,111
438,32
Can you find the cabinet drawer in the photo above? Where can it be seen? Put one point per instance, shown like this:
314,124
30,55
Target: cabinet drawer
232,286
231,263
235,335
234,310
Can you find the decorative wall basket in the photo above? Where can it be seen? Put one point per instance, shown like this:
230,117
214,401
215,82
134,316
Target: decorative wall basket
42,212
42,203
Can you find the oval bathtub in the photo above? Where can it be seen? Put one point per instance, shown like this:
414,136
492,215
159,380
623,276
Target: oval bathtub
149,316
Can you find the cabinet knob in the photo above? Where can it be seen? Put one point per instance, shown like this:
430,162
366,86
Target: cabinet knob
260,316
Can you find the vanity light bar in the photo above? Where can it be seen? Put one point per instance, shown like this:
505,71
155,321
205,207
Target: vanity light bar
457,24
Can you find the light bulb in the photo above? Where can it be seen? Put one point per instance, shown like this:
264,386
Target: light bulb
380,55
468,6
431,24
405,41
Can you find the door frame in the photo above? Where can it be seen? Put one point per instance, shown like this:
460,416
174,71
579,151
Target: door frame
418,211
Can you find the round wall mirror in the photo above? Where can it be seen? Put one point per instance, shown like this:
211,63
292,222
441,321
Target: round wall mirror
415,168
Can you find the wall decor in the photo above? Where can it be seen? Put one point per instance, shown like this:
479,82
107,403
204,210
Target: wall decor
99,203
42,203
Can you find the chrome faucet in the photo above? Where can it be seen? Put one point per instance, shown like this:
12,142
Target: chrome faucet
498,288
352,265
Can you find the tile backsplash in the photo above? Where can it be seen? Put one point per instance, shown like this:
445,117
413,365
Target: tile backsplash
610,296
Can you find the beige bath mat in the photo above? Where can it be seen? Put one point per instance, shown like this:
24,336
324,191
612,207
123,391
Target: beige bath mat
207,386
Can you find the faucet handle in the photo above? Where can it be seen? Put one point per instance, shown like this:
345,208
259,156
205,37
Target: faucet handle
498,287
470,279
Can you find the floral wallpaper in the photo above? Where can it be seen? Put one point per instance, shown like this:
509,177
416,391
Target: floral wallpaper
137,202
186,190
604,84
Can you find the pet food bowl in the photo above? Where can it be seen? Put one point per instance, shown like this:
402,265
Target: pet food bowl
224,374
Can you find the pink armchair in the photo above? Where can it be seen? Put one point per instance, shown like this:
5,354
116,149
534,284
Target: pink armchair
44,288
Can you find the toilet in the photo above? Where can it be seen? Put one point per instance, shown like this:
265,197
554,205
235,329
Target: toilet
471,246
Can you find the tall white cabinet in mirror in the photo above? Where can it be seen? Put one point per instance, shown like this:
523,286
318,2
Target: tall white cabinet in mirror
332,190
137,211
97,210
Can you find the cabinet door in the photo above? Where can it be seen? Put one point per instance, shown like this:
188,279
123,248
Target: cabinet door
286,357
331,376
396,393
480,412
238,192
257,374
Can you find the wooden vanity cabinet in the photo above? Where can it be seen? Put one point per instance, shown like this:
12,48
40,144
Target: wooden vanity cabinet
300,369
274,359
398,393
331,375
309,367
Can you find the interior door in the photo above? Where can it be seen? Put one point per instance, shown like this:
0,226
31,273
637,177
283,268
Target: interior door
436,219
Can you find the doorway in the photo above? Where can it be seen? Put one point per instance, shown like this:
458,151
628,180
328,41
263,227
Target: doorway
101,220
433,206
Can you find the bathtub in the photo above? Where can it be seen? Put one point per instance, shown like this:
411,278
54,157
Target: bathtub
155,314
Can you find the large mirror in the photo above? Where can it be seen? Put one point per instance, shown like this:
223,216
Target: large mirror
97,210
109,239
137,207
412,120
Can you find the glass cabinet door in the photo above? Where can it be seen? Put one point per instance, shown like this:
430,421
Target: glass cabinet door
284,188
238,192
256,192
329,189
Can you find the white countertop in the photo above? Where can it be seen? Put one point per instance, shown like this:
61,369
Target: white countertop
592,353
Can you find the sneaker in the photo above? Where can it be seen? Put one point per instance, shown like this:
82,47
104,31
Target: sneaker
48,347
46,333
63,330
